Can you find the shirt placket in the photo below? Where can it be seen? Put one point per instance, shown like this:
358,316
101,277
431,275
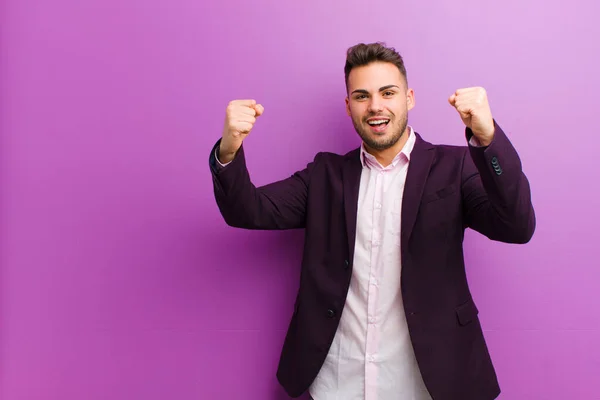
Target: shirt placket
373,327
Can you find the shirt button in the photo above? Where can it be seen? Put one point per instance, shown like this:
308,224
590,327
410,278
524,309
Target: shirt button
378,205
370,358
372,320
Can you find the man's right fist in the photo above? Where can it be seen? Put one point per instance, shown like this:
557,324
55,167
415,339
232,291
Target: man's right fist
239,120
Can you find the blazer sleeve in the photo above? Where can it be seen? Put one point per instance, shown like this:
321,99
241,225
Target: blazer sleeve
496,192
276,206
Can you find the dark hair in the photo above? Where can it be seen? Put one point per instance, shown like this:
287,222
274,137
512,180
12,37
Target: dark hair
364,54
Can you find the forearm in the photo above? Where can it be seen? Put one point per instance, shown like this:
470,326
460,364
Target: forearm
497,192
280,205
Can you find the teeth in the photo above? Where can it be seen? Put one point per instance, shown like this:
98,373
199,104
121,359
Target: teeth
378,121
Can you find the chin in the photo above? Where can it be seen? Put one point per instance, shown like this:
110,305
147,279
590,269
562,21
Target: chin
381,142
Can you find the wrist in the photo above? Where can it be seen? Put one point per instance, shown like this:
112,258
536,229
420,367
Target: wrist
226,153
484,138
484,141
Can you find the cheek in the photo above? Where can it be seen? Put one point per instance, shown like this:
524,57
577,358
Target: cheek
356,113
399,109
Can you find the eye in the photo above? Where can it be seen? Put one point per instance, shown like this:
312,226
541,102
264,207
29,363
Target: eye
388,93
361,96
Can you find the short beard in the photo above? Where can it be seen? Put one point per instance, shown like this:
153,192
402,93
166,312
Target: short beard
382,144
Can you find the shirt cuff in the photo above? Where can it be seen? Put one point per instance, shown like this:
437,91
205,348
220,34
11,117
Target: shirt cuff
217,158
474,142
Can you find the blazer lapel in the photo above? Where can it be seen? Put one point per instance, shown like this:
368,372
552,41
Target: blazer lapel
351,171
421,159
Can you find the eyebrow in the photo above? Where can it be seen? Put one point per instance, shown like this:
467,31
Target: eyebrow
381,89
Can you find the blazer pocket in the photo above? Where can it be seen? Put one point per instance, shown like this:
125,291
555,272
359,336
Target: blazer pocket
466,312
438,194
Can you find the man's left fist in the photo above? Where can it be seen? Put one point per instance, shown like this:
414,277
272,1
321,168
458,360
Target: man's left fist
474,109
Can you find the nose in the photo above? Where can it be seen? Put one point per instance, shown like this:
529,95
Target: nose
376,105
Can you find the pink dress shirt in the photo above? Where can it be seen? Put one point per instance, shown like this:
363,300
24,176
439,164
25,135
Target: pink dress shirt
372,357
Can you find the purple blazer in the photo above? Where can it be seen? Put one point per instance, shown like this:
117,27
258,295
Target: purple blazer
448,189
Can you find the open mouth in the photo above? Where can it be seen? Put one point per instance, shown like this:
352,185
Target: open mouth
378,125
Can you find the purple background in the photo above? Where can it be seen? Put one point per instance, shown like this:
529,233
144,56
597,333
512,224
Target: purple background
120,280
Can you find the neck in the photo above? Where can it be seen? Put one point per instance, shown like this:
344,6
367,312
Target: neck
386,156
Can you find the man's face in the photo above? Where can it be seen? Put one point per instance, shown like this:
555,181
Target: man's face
378,103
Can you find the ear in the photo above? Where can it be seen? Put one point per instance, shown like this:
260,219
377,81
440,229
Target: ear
348,106
410,99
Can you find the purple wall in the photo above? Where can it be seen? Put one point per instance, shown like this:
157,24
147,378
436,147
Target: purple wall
118,277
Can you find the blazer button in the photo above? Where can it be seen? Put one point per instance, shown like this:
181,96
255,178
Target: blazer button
494,161
346,264
330,313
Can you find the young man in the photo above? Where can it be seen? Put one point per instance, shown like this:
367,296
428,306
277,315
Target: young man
384,310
